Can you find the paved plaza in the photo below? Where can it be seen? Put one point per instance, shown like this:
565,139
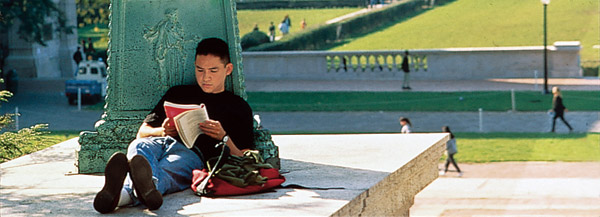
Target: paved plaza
514,189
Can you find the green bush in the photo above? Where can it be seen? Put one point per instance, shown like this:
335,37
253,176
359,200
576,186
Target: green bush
254,38
590,68
13,143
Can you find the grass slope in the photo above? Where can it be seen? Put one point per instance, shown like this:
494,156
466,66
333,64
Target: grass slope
477,23
247,18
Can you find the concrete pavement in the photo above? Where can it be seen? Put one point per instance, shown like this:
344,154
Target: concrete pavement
514,189
335,122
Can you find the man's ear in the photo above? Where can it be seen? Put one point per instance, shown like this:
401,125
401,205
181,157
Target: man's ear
228,68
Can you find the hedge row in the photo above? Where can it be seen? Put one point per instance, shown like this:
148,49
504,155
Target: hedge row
271,4
319,37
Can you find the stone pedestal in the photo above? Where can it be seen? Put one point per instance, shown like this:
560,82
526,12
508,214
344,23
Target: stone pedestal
152,48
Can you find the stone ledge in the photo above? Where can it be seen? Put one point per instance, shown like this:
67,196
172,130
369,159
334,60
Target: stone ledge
380,174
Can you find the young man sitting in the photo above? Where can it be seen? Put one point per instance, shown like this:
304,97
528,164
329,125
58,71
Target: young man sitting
157,161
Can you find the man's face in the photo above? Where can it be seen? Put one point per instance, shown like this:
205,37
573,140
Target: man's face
211,73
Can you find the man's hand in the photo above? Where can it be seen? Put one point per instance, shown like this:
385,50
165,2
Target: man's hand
168,129
213,129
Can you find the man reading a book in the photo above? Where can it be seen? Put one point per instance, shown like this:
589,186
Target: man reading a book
157,161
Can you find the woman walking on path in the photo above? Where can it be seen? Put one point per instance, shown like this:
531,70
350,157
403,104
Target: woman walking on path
451,150
558,108
405,122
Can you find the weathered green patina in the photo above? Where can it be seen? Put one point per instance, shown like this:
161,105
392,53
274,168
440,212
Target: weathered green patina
151,48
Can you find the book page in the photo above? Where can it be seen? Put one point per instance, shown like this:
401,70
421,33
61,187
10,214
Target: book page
174,109
187,124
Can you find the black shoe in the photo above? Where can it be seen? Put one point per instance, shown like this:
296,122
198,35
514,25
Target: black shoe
114,175
141,176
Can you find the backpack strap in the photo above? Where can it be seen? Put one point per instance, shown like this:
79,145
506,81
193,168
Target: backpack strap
201,189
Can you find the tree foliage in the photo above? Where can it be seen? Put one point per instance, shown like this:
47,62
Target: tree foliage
92,12
33,16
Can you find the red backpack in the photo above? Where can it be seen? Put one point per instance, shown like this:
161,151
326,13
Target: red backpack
219,187
235,176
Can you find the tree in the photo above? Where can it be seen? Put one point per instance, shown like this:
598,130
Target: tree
33,15
92,12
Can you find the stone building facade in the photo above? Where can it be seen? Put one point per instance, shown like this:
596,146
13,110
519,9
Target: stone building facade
32,60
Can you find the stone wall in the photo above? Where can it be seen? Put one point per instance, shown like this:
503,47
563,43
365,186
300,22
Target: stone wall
436,64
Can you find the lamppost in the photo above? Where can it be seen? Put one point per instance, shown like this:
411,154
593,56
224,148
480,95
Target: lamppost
545,3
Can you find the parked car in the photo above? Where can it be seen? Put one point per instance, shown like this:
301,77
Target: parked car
91,79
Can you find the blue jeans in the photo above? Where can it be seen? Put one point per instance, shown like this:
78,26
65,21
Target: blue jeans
172,164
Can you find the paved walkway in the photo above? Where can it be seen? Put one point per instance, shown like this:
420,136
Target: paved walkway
332,122
514,189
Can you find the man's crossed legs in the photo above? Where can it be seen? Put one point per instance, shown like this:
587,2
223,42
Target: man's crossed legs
156,166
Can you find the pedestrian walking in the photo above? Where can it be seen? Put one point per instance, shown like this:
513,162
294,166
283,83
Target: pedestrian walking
77,56
284,28
406,69
451,150
406,125
558,109
84,47
287,20
272,32
372,3
303,24
91,49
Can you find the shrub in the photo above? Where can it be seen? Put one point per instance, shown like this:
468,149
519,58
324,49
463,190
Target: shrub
254,38
590,68
12,143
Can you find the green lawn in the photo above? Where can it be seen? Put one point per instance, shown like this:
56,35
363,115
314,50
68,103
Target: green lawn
48,140
418,101
477,23
99,35
497,147
247,18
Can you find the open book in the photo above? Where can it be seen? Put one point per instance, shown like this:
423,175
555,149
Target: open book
186,118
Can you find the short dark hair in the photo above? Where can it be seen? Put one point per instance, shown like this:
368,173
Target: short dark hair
406,120
214,46
446,129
